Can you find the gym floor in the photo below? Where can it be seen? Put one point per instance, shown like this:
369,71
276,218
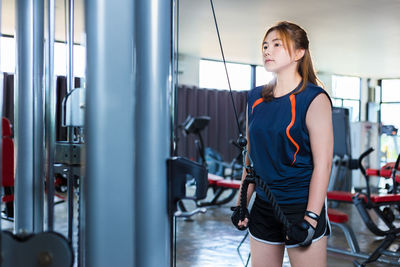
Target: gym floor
210,240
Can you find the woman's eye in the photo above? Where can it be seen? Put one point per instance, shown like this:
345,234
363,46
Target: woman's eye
265,47
277,44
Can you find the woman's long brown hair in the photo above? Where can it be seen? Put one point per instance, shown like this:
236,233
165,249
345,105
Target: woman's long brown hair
293,38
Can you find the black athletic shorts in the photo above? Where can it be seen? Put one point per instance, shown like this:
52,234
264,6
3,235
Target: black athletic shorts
264,226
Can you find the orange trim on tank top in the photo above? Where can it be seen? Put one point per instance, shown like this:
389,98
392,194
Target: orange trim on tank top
258,101
293,104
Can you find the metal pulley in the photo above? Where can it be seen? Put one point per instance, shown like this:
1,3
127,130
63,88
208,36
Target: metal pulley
46,249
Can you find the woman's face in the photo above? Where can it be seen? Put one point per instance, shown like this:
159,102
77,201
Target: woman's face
276,57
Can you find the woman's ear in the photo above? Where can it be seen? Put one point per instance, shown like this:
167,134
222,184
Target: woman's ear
299,54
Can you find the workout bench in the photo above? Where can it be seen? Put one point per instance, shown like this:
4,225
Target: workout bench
339,219
388,171
366,202
219,184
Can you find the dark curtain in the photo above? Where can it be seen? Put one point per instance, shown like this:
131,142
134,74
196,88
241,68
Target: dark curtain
61,89
8,93
216,104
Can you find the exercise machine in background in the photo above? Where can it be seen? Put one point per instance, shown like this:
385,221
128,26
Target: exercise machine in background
68,168
363,175
222,176
341,175
364,135
383,206
350,140
178,168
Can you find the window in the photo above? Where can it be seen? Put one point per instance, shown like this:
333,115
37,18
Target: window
346,92
390,110
262,76
7,57
212,75
391,90
60,60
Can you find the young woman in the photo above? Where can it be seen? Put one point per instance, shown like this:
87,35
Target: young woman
290,141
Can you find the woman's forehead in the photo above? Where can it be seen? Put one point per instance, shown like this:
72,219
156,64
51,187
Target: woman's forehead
274,35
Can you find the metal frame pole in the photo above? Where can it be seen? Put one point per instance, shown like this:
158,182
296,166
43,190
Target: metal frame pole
108,197
23,117
50,113
28,122
70,130
174,76
153,50
38,113
70,44
173,112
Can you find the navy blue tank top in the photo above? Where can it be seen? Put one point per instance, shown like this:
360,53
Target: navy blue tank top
280,144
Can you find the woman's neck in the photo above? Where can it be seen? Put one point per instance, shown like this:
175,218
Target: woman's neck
286,82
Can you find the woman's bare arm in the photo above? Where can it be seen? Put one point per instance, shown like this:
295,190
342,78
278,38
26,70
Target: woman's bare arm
319,125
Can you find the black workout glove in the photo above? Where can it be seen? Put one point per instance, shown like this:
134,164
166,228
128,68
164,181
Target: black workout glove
236,217
301,232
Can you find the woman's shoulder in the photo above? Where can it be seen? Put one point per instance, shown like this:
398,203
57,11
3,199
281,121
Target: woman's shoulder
255,92
313,90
